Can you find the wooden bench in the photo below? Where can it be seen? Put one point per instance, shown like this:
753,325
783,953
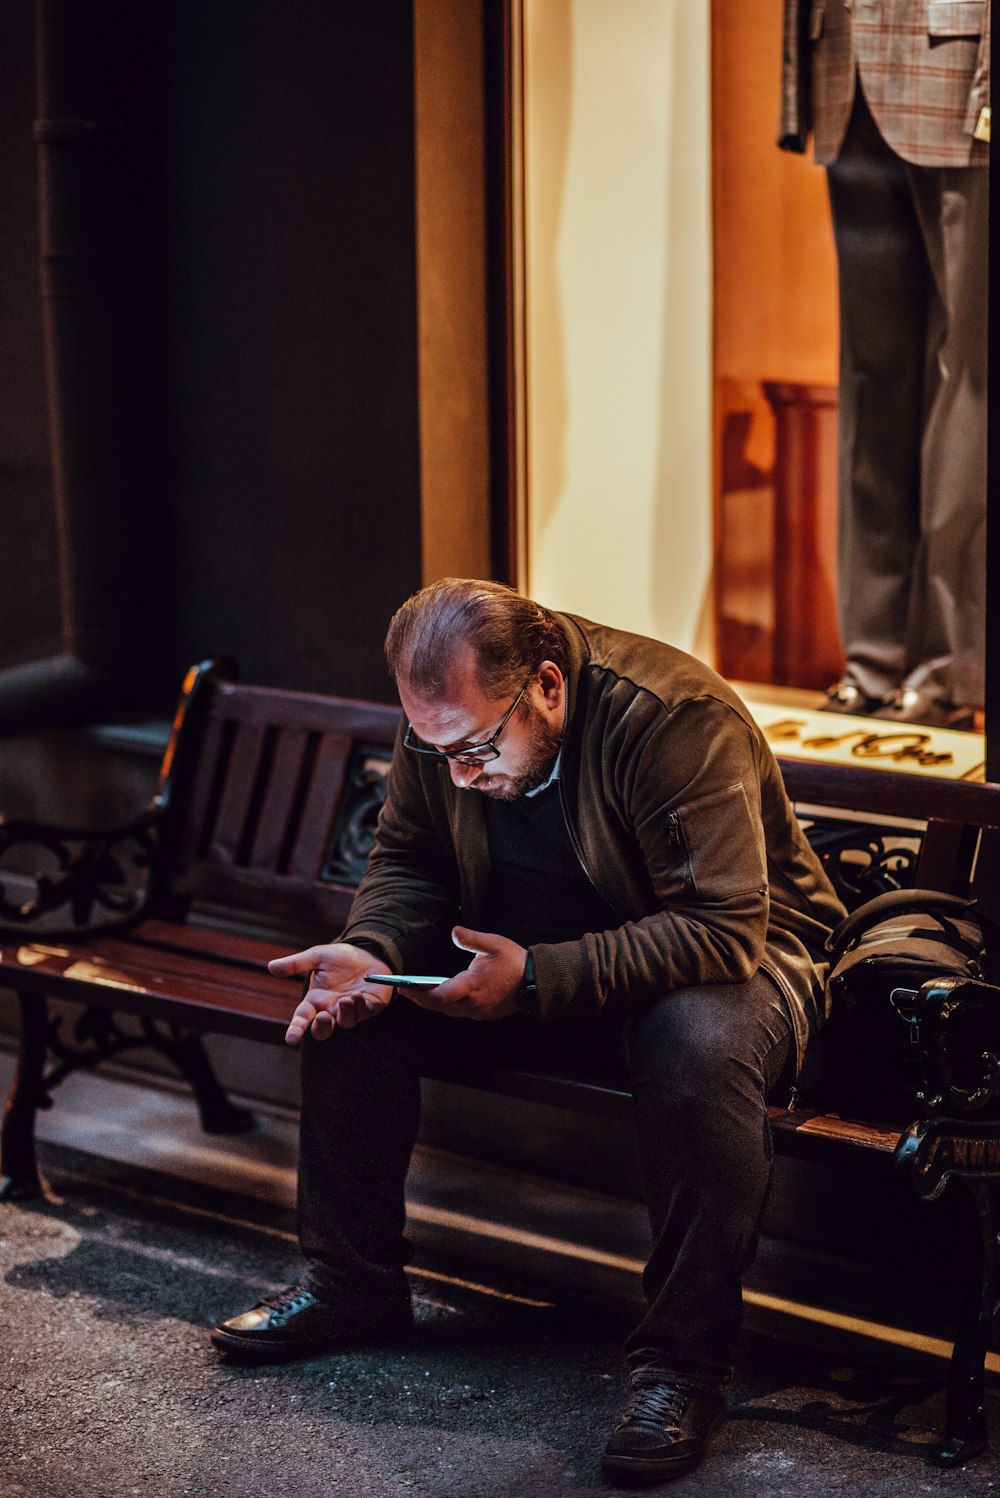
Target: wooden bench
161,929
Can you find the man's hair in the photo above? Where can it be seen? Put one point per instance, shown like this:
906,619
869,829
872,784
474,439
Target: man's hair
510,637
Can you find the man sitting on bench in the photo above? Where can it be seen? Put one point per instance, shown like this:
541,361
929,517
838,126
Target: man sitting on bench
631,881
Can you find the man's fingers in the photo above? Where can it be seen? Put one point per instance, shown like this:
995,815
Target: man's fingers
295,964
317,1020
331,1012
476,941
448,998
320,1023
424,998
299,1023
323,1025
456,1005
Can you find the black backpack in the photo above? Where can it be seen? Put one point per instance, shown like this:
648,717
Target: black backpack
914,1023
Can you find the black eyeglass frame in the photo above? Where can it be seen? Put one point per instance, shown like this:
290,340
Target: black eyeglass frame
476,754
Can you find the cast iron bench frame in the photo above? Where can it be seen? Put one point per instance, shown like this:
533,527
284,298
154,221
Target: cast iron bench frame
263,815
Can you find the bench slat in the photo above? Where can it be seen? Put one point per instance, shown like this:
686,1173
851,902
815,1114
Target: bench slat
281,811
804,1133
889,793
234,947
320,809
193,992
236,793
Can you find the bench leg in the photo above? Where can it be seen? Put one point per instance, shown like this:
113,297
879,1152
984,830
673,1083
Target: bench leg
218,1115
965,1435
21,1180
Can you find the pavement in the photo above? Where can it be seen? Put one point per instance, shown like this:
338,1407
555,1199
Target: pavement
111,1388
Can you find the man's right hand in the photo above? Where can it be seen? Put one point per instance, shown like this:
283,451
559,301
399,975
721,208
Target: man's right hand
337,993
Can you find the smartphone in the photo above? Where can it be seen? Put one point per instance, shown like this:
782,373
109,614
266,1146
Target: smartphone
403,980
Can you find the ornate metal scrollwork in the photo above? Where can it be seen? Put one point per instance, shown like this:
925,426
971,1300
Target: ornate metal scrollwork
97,879
935,1149
863,859
99,1035
360,803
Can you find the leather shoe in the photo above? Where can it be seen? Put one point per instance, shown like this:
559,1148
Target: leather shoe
910,705
662,1433
295,1324
847,697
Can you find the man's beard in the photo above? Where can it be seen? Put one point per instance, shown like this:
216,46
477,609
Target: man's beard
545,738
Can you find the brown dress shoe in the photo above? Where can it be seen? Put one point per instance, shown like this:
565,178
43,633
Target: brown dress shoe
910,705
662,1433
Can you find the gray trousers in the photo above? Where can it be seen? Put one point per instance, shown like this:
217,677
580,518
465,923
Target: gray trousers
912,260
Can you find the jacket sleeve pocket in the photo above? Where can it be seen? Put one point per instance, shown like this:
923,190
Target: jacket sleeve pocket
724,844
956,17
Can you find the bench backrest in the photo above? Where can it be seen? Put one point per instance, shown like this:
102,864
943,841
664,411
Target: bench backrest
273,797
271,800
960,846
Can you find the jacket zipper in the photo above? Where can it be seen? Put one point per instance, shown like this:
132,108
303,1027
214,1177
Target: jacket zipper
676,839
571,834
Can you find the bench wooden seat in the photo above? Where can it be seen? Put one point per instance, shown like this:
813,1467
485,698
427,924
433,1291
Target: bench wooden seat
161,930
180,974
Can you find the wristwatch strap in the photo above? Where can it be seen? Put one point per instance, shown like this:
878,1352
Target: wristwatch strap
527,994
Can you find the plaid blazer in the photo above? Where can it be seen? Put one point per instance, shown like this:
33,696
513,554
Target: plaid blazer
924,66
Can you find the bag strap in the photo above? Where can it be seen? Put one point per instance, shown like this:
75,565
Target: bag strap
922,901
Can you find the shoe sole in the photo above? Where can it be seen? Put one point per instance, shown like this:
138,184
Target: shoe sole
245,1348
637,1472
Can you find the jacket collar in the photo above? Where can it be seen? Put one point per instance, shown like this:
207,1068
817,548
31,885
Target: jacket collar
578,651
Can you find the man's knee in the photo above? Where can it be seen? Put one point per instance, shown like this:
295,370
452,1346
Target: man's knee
697,1042
675,1052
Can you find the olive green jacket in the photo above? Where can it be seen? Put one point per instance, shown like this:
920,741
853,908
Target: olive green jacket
679,815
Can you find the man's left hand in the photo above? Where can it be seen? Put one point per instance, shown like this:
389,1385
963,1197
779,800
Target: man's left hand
488,987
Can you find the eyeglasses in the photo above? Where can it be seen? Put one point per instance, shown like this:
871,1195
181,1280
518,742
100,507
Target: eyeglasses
476,754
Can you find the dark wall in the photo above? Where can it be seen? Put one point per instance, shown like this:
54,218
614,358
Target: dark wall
287,352
268,284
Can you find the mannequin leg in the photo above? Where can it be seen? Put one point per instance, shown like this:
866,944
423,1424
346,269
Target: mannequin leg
883,278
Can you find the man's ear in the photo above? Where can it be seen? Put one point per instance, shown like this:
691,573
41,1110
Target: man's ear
552,682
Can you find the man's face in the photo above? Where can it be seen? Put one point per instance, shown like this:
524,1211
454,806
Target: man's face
527,746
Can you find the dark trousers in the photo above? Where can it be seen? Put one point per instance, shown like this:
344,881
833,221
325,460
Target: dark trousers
912,262
700,1063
